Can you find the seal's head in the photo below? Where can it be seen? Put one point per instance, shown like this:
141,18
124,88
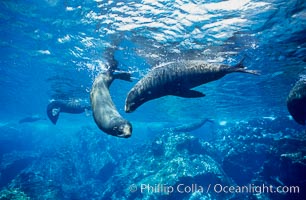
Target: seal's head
133,101
123,129
129,107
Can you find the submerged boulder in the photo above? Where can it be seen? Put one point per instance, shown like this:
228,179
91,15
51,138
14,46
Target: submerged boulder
87,165
74,167
173,166
14,194
296,102
264,151
286,167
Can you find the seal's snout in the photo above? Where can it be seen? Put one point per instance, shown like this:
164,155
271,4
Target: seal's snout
123,130
129,107
126,130
126,108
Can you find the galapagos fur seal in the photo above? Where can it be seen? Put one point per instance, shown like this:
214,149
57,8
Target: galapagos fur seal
55,107
32,118
105,113
296,102
190,126
177,78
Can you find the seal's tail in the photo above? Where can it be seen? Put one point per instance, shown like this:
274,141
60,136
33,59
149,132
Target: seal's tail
241,68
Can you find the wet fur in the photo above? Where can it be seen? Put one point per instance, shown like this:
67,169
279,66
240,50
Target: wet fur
105,113
177,78
66,106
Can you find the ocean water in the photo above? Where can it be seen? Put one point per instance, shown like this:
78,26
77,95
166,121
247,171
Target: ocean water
250,148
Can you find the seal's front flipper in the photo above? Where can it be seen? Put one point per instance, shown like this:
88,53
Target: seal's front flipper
87,113
126,76
189,94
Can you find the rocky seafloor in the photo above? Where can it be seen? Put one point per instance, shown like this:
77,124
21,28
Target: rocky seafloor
172,165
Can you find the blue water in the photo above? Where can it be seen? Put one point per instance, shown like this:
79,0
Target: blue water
54,49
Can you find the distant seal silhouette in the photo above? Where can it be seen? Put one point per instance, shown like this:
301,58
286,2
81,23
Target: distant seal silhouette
105,113
177,78
67,106
191,126
32,118
296,102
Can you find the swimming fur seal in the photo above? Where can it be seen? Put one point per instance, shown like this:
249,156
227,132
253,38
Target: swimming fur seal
296,102
105,113
32,118
177,78
191,126
68,106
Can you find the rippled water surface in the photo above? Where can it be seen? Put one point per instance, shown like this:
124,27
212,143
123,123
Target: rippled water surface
53,49
56,48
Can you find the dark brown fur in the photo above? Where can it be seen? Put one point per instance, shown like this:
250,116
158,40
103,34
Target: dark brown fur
177,78
105,113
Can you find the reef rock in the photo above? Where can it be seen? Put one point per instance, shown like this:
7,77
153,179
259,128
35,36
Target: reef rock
73,168
174,166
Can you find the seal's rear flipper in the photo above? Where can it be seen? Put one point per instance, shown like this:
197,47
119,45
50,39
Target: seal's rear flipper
240,64
241,68
255,72
189,94
53,113
126,76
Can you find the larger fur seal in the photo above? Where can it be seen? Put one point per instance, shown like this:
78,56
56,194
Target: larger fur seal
177,78
105,113
67,106
296,102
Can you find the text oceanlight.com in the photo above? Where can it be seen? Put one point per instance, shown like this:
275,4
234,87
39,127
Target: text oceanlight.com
215,188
